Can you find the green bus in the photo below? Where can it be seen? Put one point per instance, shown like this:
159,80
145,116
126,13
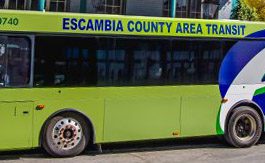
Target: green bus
73,80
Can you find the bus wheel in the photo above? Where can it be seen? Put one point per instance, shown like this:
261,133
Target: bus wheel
244,127
65,135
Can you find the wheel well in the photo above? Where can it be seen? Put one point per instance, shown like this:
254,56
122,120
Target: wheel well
249,104
73,111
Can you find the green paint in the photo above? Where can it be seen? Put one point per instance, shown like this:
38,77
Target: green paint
143,117
219,130
16,126
259,91
117,113
198,114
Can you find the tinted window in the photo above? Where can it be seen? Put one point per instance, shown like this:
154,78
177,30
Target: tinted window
14,62
195,62
127,62
111,63
61,62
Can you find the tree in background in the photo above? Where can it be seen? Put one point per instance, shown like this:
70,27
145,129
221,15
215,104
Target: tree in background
259,5
252,10
262,13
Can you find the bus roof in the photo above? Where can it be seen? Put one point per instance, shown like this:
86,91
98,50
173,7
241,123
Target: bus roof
100,24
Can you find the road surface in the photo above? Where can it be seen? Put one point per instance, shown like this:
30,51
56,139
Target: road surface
210,150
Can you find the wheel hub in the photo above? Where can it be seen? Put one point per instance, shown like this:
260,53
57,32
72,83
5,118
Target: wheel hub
66,133
245,127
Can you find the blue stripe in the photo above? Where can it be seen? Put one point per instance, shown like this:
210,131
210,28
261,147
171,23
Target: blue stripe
258,34
237,58
259,99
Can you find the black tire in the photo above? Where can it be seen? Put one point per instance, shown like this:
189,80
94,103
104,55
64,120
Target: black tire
78,143
244,127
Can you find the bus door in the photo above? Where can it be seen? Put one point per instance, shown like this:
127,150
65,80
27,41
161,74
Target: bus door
15,110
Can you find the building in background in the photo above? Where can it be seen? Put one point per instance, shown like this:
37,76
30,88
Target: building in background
208,9
182,8
19,4
225,8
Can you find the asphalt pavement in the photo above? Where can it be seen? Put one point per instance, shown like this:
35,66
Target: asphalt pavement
211,150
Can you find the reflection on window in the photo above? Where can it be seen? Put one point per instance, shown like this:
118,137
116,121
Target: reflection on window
195,9
130,62
14,4
15,62
166,8
64,62
57,5
111,66
2,4
34,5
194,62
184,8
108,6
127,62
210,9
146,61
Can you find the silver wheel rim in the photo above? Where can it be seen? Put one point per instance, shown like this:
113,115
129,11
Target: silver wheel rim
245,127
67,133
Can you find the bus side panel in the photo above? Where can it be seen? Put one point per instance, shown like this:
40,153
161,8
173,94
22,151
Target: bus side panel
141,117
16,125
54,100
199,113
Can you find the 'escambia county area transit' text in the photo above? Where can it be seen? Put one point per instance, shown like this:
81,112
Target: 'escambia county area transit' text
145,26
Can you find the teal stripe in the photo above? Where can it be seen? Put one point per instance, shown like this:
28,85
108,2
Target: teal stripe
83,4
41,6
173,8
234,3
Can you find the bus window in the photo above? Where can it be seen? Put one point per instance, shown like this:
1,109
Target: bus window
111,63
146,65
2,62
64,62
18,62
15,62
143,61
127,61
195,62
